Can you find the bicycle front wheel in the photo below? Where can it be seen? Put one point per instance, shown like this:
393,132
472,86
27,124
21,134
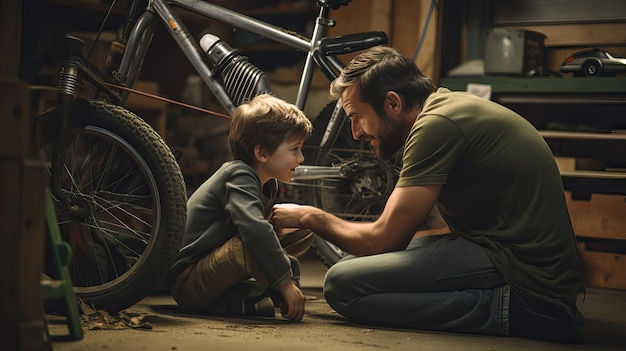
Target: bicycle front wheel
121,205
359,196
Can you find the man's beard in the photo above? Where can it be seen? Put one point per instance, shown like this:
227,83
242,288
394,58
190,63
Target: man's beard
391,140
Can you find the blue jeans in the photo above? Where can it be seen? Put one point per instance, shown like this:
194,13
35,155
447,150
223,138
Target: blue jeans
443,283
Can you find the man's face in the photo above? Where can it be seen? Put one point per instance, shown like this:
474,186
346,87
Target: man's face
384,133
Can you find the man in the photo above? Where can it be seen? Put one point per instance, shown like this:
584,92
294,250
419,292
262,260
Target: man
509,263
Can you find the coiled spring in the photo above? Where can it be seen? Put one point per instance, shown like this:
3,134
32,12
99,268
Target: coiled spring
243,80
68,77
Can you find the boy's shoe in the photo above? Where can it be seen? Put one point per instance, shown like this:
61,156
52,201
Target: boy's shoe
274,295
263,308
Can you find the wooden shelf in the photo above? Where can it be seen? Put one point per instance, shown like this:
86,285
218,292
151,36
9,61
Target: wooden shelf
609,147
581,119
551,85
542,94
583,136
583,183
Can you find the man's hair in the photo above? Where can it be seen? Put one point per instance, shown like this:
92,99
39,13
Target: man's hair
380,70
266,121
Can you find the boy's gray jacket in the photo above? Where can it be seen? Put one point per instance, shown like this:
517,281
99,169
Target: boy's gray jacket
233,202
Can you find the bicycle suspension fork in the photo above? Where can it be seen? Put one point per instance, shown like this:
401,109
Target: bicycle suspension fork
66,95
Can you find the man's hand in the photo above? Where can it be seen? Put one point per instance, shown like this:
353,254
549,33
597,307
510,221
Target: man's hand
292,306
286,217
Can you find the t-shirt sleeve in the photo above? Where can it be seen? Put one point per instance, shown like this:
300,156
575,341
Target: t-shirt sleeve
244,205
434,146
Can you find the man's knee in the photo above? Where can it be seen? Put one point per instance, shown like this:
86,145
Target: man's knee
330,284
332,290
337,285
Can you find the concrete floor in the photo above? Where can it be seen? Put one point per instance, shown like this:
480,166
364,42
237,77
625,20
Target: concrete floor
324,329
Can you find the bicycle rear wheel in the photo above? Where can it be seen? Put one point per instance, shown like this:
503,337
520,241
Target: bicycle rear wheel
122,205
362,195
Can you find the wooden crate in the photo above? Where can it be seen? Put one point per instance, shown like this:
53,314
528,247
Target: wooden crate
600,225
603,269
604,216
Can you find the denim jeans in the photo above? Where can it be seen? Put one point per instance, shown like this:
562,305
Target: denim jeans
442,282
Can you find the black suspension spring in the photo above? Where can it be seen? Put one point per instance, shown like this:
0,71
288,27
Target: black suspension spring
68,77
243,80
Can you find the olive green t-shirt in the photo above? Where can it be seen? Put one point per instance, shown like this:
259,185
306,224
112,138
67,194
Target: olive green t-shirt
501,189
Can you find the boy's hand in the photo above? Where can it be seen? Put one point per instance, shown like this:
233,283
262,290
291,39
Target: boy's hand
292,306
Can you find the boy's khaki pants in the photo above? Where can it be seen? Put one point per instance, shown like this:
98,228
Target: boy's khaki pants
200,286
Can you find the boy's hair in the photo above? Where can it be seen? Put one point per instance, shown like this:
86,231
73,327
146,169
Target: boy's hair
266,121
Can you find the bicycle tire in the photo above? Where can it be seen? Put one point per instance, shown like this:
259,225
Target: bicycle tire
358,198
127,202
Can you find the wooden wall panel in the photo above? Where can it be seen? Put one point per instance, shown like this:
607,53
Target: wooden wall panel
408,22
361,16
402,20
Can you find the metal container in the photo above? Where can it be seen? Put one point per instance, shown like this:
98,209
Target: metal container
514,52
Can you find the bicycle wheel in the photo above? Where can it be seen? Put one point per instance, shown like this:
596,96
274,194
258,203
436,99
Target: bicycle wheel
122,207
362,195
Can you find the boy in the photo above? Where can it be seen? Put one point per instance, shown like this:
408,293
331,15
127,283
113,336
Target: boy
228,238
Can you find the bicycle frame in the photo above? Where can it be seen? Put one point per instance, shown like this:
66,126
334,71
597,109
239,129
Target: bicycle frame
141,36
321,52
97,122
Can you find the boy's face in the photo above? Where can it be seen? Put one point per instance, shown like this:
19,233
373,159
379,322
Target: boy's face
282,164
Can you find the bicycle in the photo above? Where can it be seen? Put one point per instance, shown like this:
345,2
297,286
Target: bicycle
119,193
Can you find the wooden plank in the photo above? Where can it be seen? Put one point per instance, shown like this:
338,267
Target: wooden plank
550,85
602,269
21,254
604,216
10,175
407,25
402,20
557,11
380,15
353,18
31,254
408,21
14,117
10,23
590,34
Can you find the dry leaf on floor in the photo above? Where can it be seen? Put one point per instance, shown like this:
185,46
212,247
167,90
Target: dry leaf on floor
93,319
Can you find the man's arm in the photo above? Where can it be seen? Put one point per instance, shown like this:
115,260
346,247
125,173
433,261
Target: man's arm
405,211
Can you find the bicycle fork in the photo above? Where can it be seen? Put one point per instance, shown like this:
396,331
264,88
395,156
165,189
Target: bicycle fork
66,95
72,65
